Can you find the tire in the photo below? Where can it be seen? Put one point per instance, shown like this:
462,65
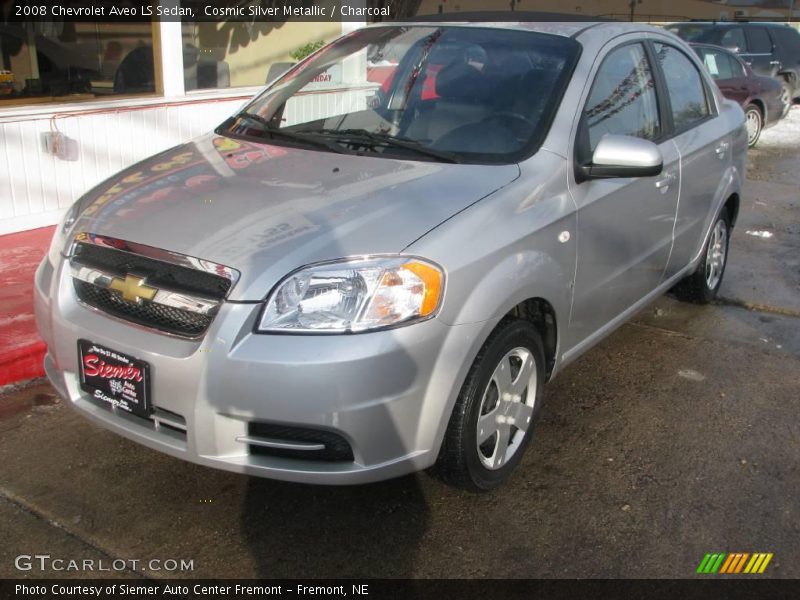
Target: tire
755,124
786,99
701,287
462,462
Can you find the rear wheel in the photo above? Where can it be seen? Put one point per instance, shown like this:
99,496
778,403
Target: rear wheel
755,123
701,287
496,410
786,99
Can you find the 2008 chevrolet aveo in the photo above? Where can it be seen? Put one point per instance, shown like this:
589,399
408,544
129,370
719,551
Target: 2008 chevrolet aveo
374,267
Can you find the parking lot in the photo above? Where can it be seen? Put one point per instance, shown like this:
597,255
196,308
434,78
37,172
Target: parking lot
676,436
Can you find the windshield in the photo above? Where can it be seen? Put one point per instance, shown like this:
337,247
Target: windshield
453,94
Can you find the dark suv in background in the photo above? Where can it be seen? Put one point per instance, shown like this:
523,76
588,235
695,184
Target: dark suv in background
770,49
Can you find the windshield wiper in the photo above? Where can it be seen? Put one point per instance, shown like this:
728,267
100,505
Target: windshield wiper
371,138
277,132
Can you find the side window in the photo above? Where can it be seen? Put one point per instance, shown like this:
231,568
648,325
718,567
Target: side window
737,69
623,98
759,41
687,93
787,40
734,38
717,64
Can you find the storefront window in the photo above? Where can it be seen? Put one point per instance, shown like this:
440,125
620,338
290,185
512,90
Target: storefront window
53,61
237,53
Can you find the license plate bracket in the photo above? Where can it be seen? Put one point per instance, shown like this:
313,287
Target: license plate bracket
115,378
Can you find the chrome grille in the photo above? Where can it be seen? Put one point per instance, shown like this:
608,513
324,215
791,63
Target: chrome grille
149,314
168,292
159,273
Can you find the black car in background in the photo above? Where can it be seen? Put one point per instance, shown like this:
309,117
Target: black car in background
762,98
770,49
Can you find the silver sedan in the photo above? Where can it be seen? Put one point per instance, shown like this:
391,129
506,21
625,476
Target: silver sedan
376,265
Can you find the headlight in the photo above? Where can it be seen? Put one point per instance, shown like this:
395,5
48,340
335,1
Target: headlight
354,295
61,234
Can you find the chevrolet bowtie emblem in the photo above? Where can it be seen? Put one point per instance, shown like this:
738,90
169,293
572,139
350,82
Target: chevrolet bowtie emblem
133,288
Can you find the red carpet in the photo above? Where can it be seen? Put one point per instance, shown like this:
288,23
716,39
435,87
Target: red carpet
21,349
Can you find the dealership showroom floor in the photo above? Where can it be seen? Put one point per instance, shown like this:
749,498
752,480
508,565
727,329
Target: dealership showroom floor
675,437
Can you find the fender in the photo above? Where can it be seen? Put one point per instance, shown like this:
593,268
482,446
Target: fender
486,279
730,184
517,278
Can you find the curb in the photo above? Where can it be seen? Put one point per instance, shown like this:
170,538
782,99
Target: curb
22,363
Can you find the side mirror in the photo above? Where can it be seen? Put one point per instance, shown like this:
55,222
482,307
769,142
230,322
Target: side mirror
622,156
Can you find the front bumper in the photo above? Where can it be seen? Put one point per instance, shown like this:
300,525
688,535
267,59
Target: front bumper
388,394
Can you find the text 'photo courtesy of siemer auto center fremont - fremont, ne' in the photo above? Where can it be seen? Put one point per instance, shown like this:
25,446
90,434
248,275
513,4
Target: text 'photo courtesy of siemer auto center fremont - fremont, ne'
285,280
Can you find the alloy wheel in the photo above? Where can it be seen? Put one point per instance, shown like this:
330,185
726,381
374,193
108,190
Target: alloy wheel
506,408
786,100
715,255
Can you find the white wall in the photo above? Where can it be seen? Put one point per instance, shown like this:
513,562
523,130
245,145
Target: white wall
36,187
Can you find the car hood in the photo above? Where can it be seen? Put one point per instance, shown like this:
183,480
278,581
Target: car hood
266,210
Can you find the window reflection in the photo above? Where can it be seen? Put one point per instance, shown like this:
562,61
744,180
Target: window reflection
623,98
684,85
46,61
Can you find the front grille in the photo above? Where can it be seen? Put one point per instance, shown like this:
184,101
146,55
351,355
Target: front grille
337,449
159,273
207,283
149,314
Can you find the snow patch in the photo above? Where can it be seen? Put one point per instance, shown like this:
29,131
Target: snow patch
15,319
785,134
691,375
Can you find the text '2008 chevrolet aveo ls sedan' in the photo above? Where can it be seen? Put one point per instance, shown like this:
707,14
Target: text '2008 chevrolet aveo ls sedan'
375,266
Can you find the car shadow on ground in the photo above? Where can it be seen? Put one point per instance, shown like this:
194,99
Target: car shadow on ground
354,531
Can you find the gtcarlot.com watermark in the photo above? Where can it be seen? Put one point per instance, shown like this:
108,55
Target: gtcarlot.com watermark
48,563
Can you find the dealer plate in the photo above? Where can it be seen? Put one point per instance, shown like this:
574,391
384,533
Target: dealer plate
116,378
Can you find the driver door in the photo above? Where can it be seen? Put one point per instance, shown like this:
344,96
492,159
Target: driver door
625,225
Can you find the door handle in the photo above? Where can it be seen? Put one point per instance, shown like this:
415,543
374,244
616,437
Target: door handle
722,149
774,62
666,181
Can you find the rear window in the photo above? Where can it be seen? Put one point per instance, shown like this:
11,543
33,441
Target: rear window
787,40
717,63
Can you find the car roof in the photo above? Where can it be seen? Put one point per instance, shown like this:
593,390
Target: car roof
525,22
729,24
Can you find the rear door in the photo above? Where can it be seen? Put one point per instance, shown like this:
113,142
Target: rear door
625,224
759,53
787,51
702,144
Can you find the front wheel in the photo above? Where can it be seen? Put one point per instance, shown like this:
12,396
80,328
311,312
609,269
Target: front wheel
701,287
496,410
755,123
